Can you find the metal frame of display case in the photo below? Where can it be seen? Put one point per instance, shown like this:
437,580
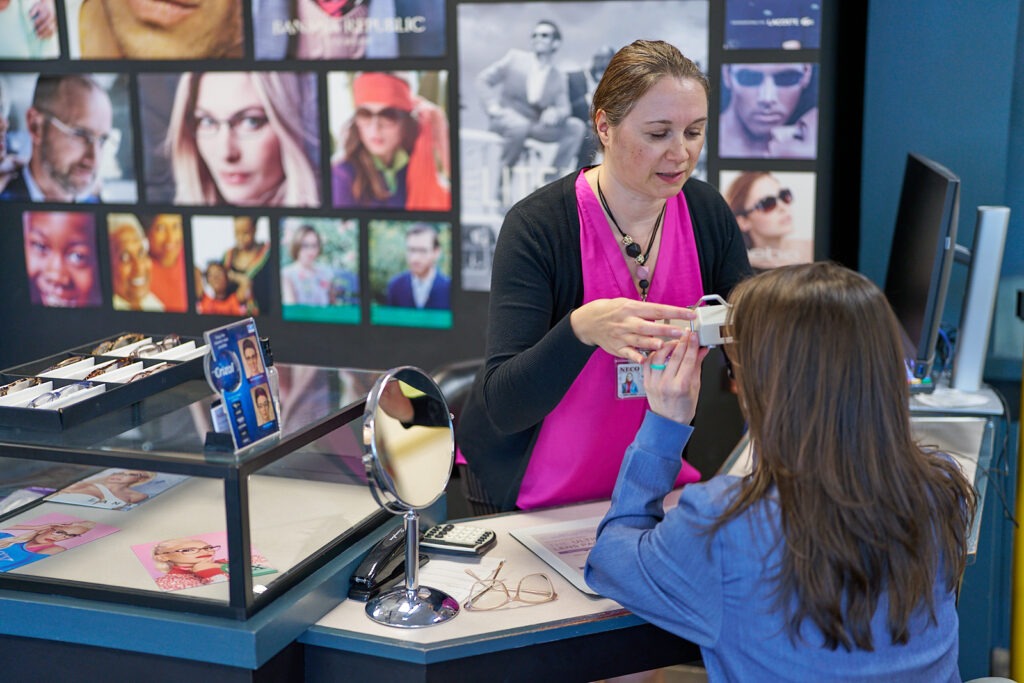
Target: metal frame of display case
105,442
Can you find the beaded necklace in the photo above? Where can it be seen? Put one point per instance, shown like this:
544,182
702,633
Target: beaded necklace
643,273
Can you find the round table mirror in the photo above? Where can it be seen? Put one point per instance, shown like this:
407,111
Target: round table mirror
409,447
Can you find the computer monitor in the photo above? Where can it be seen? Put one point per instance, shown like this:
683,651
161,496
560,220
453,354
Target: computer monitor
921,259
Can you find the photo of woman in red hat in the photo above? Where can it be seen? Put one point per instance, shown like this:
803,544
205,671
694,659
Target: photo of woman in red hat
393,151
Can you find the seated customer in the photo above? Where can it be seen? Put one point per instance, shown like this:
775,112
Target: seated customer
838,557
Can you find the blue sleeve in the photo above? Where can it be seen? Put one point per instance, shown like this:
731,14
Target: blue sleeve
661,566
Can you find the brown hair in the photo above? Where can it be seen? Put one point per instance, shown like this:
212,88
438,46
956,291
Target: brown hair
300,233
864,509
634,70
367,183
737,194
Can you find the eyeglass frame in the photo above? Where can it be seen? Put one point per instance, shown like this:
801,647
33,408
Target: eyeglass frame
493,582
156,348
19,385
151,370
769,203
126,339
57,394
115,364
212,129
189,551
113,138
63,533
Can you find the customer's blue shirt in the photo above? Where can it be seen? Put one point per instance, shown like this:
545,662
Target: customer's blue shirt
717,591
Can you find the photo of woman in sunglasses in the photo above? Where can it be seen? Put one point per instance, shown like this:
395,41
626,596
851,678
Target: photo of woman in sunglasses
775,212
392,151
769,111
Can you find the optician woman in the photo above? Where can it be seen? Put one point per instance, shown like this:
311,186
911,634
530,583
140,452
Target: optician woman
395,151
584,270
244,138
838,558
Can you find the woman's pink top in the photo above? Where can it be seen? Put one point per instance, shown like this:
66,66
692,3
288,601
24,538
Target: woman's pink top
581,444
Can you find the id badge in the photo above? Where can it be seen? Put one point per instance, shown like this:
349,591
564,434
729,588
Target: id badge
629,380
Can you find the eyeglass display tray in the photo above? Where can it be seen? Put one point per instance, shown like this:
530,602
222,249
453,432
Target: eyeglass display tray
298,499
114,396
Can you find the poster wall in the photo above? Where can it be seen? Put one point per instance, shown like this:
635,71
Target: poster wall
174,164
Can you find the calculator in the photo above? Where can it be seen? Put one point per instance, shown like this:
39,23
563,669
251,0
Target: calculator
458,538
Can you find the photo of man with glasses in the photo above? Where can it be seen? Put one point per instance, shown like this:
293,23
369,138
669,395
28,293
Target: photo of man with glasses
73,124
70,123
768,111
264,409
422,285
251,360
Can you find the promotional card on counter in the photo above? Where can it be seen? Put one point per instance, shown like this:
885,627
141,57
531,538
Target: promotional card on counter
237,369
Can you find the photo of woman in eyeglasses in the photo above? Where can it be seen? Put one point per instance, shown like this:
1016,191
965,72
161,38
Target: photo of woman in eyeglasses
240,138
188,562
775,212
37,541
393,152
192,561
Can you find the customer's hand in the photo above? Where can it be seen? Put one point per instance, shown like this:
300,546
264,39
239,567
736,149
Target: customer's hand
672,378
626,327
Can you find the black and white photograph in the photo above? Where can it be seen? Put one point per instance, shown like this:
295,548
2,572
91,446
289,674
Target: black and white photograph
527,75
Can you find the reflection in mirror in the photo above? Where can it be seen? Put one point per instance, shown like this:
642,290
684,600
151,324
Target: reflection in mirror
409,447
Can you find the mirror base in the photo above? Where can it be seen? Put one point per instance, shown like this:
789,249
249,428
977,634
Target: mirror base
404,608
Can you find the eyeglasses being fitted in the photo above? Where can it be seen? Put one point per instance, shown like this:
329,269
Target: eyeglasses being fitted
246,123
751,78
768,204
191,551
389,115
86,137
493,593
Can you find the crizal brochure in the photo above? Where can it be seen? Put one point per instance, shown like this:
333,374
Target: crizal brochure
236,368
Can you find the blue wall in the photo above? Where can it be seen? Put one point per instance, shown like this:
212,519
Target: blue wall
941,79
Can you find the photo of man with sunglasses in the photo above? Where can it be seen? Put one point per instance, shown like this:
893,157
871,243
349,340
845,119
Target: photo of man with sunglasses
71,125
526,97
769,111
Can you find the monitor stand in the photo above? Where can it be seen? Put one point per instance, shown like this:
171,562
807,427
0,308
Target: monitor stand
944,399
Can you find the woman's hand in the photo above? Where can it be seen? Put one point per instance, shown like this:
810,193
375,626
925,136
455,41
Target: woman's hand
396,404
626,327
44,19
672,378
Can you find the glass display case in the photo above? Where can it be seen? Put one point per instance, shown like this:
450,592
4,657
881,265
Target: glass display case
141,506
